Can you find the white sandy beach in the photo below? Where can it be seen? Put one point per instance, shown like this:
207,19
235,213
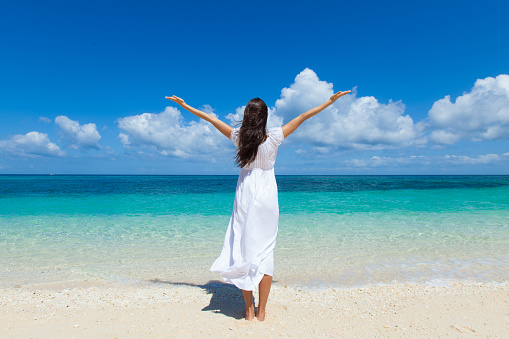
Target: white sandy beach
90,309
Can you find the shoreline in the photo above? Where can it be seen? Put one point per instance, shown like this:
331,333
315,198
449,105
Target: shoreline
169,309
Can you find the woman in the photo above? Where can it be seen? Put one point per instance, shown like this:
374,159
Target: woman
246,259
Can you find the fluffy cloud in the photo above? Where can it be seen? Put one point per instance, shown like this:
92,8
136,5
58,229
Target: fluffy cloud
30,145
169,134
351,122
83,137
482,113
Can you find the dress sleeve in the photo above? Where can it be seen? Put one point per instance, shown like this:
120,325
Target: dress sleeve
276,135
234,136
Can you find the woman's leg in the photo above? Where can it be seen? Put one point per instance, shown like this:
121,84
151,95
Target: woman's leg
264,289
248,300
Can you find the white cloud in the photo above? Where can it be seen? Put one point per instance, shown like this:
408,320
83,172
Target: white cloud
466,160
169,134
376,161
30,145
482,113
351,122
124,139
444,137
44,119
423,160
237,117
83,137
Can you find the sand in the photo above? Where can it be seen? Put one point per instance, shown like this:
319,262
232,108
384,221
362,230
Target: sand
88,309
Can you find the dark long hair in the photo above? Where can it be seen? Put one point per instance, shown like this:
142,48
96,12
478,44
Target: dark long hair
252,132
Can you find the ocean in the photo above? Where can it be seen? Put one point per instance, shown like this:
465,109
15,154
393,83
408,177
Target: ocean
334,231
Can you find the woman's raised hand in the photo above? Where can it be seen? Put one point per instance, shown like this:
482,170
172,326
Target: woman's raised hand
292,125
176,99
220,125
338,95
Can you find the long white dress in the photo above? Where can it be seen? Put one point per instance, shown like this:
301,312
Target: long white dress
247,252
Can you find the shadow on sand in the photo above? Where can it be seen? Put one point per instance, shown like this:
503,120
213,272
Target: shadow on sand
226,299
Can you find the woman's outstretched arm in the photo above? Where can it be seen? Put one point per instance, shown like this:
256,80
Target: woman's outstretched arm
291,126
220,125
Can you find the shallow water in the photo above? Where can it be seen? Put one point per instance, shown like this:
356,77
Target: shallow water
334,231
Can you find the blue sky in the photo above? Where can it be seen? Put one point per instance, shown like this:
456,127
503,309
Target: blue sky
82,85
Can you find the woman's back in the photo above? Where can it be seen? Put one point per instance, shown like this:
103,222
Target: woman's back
267,150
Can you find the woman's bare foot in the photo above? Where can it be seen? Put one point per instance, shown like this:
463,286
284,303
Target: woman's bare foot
250,313
260,314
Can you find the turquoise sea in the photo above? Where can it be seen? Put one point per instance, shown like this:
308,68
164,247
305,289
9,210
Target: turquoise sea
334,231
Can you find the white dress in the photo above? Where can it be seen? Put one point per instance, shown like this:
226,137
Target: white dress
247,252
